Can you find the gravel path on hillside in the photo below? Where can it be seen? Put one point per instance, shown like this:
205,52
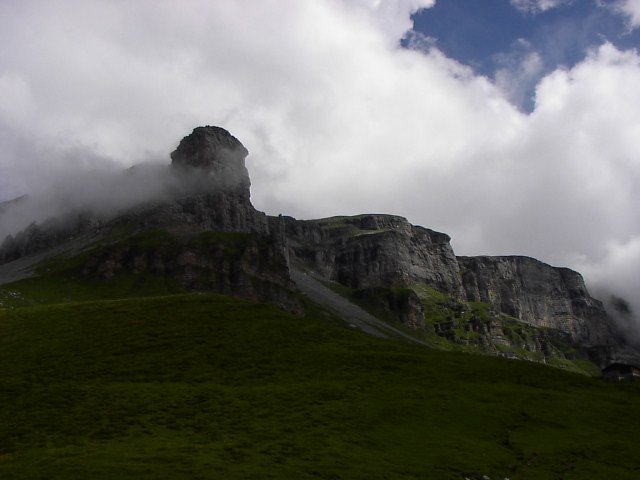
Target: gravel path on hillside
352,314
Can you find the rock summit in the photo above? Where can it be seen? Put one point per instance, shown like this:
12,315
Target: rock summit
219,153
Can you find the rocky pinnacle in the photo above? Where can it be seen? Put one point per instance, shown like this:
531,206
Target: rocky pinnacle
219,153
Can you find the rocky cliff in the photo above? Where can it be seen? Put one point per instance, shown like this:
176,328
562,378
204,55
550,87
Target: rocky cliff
215,240
210,165
383,251
249,265
537,293
369,251
218,155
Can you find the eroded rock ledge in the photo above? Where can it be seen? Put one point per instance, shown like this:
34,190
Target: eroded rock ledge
384,251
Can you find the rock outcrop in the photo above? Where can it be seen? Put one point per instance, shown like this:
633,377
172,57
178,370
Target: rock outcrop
369,251
40,237
218,154
539,294
378,256
244,264
210,162
401,305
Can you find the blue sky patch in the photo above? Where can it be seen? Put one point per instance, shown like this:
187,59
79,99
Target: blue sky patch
516,48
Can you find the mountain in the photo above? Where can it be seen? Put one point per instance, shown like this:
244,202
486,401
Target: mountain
207,237
145,343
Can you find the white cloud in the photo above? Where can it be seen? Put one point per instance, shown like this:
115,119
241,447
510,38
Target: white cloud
538,6
631,9
391,16
581,149
618,269
337,117
519,72
617,275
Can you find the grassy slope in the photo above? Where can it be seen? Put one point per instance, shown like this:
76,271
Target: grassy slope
436,310
199,386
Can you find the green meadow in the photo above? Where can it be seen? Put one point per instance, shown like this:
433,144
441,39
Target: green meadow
213,387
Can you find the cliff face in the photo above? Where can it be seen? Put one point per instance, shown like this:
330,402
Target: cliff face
211,163
222,243
243,264
369,252
375,251
218,155
537,293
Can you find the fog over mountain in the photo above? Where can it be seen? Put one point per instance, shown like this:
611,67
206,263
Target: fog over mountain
338,119
102,192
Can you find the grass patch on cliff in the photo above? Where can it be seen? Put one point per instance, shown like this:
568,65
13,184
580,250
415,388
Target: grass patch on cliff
450,324
148,241
62,279
346,226
202,386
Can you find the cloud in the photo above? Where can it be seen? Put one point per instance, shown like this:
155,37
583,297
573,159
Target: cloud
616,278
630,9
105,189
337,116
518,73
581,152
534,7
393,17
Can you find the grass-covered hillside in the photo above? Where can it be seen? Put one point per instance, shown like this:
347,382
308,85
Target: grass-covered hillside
212,387
472,327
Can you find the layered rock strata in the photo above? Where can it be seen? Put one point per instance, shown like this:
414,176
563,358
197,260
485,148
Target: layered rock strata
537,293
369,251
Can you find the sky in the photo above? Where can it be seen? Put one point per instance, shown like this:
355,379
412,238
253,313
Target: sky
517,43
511,125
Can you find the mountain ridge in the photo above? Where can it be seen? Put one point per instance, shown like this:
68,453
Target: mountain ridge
404,271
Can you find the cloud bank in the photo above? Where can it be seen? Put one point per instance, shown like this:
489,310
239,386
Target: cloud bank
105,190
338,119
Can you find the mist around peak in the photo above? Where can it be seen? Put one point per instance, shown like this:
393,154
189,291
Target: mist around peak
107,192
